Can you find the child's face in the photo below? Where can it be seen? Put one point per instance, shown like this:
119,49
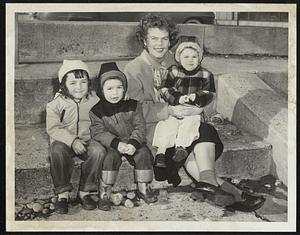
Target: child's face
77,87
113,90
189,59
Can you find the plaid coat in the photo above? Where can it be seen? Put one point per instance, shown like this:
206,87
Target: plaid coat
181,82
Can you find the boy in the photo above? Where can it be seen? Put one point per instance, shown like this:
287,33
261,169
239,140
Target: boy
68,125
119,125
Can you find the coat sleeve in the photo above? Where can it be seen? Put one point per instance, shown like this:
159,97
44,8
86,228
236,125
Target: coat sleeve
153,112
54,127
207,93
100,133
171,94
138,135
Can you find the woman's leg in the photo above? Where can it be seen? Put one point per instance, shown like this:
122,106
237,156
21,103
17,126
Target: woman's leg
201,164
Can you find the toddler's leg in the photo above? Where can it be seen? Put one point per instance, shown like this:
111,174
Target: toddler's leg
164,137
110,170
188,131
90,170
61,168
143,174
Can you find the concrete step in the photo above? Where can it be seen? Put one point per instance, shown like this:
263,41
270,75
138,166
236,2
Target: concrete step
254,106
245,157
35,84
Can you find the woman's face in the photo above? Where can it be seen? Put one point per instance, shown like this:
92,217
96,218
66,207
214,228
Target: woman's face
157,42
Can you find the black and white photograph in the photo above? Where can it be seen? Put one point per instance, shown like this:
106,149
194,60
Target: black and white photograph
150,117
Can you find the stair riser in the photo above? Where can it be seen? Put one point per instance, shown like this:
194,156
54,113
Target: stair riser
245,164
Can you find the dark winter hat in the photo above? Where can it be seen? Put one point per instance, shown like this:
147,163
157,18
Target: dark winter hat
109,71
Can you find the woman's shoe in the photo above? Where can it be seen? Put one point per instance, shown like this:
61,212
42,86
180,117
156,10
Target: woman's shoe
61,206
104,203
149,197
215,194
87,202
250,203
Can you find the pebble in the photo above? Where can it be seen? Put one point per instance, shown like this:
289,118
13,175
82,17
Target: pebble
45,211
235,180
128,203
130,195
52,206
54,200
42,202
37,207
116,199
29,205
25,211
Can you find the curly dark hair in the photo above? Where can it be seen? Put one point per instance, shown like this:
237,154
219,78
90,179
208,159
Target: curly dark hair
78,73
157,21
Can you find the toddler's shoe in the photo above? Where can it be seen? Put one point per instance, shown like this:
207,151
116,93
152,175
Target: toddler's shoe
87,202
180,154
61,206
160,161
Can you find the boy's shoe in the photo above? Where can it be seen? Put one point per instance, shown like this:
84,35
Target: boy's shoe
180,154
87,202
61,206
215,194
160,160
104,203
149,197
250,203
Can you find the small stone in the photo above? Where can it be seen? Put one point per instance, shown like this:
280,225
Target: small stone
268,186
29,205
47,205
45,211
26,211
37,207
32,216
130,195
128,203
54,200
52,206
42,202
235,180
116,199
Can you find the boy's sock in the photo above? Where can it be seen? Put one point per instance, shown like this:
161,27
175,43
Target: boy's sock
82,194
208,176
63,195
230,188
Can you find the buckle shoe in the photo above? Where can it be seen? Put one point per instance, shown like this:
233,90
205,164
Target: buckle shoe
61,206
149,197
87,202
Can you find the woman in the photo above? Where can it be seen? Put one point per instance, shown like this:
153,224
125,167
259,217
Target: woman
145,73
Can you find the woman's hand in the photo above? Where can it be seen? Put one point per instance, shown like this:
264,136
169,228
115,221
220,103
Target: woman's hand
130,149
180,111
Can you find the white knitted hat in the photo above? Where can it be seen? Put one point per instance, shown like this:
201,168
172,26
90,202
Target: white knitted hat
185,45
70,65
